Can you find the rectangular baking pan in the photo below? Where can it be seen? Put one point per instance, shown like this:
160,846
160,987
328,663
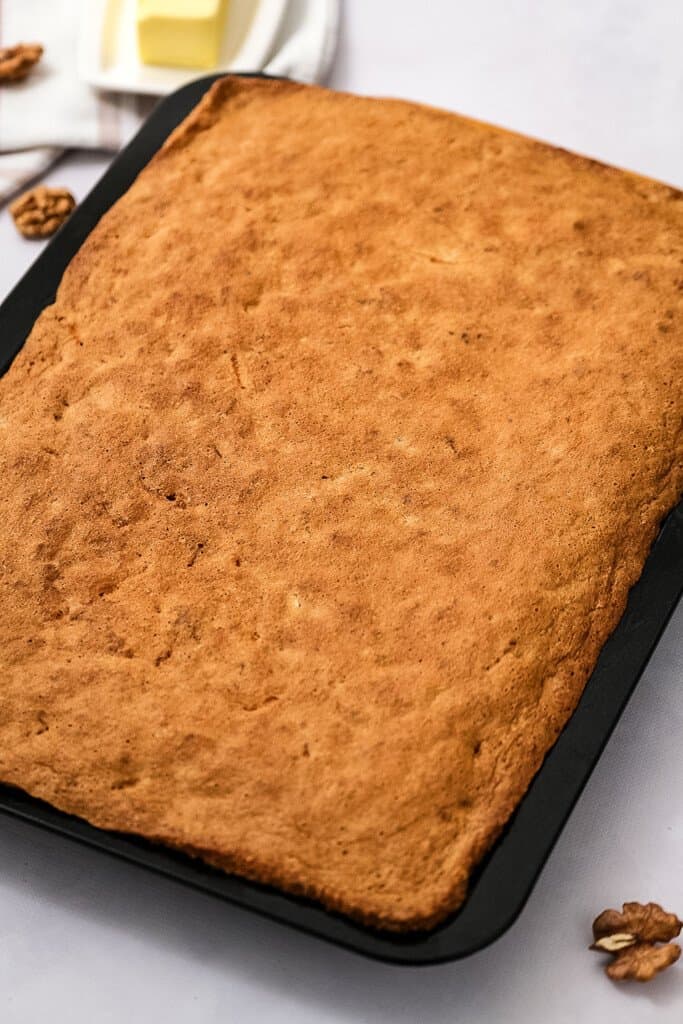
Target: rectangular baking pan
504,880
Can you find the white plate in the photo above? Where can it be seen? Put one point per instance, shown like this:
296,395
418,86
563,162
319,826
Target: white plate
108,53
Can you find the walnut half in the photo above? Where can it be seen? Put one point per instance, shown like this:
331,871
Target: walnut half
40,211
17,61
632,935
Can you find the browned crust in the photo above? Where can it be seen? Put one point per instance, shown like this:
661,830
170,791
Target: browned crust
326,479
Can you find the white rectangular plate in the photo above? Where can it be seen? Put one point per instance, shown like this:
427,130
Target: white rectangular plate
108,52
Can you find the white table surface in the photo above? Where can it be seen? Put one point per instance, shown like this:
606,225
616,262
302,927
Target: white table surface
84,938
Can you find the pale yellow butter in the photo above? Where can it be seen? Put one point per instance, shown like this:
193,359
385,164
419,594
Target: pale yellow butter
182,33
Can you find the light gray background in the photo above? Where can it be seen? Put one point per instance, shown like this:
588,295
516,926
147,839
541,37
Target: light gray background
84,938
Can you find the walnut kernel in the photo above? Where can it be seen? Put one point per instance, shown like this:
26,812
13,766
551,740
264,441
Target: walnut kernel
633,935
40,211
17,61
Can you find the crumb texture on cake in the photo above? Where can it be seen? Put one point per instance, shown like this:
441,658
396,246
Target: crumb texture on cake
325,479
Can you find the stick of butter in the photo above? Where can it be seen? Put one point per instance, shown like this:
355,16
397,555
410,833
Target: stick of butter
182,33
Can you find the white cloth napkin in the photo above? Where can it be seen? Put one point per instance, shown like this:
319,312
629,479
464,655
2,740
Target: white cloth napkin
53,110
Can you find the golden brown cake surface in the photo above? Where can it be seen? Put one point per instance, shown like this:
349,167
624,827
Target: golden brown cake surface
325,479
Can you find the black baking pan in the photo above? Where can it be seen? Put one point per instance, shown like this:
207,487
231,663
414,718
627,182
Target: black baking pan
504,880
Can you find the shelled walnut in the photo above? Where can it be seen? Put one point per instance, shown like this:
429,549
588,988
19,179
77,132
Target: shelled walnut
40,211
16,61
633,936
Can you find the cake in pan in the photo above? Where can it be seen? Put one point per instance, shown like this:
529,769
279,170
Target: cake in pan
325,479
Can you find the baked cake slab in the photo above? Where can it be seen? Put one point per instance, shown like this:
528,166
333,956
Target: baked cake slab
325,480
